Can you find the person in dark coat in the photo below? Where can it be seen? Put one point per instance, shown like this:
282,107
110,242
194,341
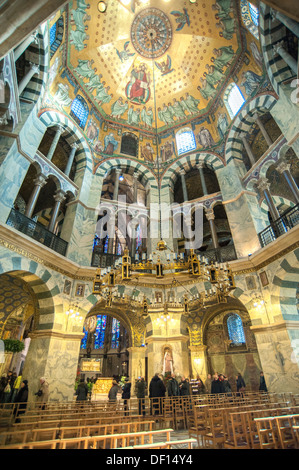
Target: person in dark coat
21,398
217,385
126,394
140,393
157,390
184,387
82,391
173,387
263,386
240,383
112,395
3,383
227,386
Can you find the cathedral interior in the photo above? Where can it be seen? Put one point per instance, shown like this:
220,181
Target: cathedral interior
149,190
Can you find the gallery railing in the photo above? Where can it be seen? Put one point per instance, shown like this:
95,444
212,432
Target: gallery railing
36,231
286,222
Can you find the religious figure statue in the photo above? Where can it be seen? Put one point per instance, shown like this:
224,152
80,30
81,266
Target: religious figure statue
167,362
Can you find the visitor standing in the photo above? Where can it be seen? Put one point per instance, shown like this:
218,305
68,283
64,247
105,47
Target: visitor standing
263,386
140,393
208,383
112,395
240,383
217,385
126,394
43,393
21,400
82,391
184,387
173,387
157,391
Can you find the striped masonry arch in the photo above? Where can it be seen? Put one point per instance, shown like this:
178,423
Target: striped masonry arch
186,163
273,31
72,134
242,123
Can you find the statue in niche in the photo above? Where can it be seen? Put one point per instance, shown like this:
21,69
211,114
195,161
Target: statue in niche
167,362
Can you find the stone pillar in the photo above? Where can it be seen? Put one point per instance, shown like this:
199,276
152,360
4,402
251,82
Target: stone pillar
25,44
211,218
289,23
59,198
39,182
55,141
200,167
70,159
135,186
263,185
136,364
284,169
199,361
116,184
34,69
263,130
185,194
111,230
248,149
289,60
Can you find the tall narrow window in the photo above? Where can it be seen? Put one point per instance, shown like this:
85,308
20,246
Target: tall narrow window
100,331
250,17
56,35
115,334
84,339
185,140
79,110
233,99
235,330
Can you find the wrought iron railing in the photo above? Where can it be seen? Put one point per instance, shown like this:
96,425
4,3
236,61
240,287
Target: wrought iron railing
286,222
221,255
36,231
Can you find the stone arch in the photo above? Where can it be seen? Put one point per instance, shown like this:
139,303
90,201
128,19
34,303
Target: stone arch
187,162
73,135
243,122
272,31
284,287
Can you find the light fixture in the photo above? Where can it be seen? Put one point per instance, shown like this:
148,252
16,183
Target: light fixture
102,7
73,315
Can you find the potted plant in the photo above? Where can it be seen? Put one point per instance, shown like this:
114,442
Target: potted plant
13,345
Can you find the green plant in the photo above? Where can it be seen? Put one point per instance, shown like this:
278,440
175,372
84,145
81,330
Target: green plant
13,345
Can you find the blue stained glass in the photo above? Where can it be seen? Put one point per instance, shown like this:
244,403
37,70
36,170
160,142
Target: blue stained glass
53,33
235,329
119,250
106,245
185,141
115,333
254,13
138,238
84,340
79,110
100,331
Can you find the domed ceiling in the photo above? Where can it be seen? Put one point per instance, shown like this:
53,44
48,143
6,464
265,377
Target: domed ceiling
183,51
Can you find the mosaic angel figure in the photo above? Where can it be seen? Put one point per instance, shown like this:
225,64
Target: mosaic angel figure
125,54
181,18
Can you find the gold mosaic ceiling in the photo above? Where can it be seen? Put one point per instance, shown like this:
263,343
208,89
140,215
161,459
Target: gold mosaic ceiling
118,57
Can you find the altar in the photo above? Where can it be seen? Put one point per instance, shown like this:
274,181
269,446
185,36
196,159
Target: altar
102,386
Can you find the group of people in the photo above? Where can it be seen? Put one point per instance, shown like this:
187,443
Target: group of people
13,389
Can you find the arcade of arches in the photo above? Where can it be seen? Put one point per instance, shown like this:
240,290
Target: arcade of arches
96,119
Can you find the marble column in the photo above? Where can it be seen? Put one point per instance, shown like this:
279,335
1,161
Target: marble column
34,69
59,131
135,187
25,44
200,167
284,169
263,130
289,60
116,184
67,170
248,149
184,186
39,182
289,23
211,218
111,234
199,361
136,364
59,197
264,185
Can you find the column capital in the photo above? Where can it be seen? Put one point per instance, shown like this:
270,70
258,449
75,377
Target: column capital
278,46
59,196
273,14
135,176
209,214
118,171
74,146
263,183
34,67
200,165
283,166
182,172
40,180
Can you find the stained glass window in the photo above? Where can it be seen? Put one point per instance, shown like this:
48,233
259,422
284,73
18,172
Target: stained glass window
56,35
84,339
106,245
235,329
138,238
233,99
250,17
79,110
100,331
53,33
185,140
115,333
